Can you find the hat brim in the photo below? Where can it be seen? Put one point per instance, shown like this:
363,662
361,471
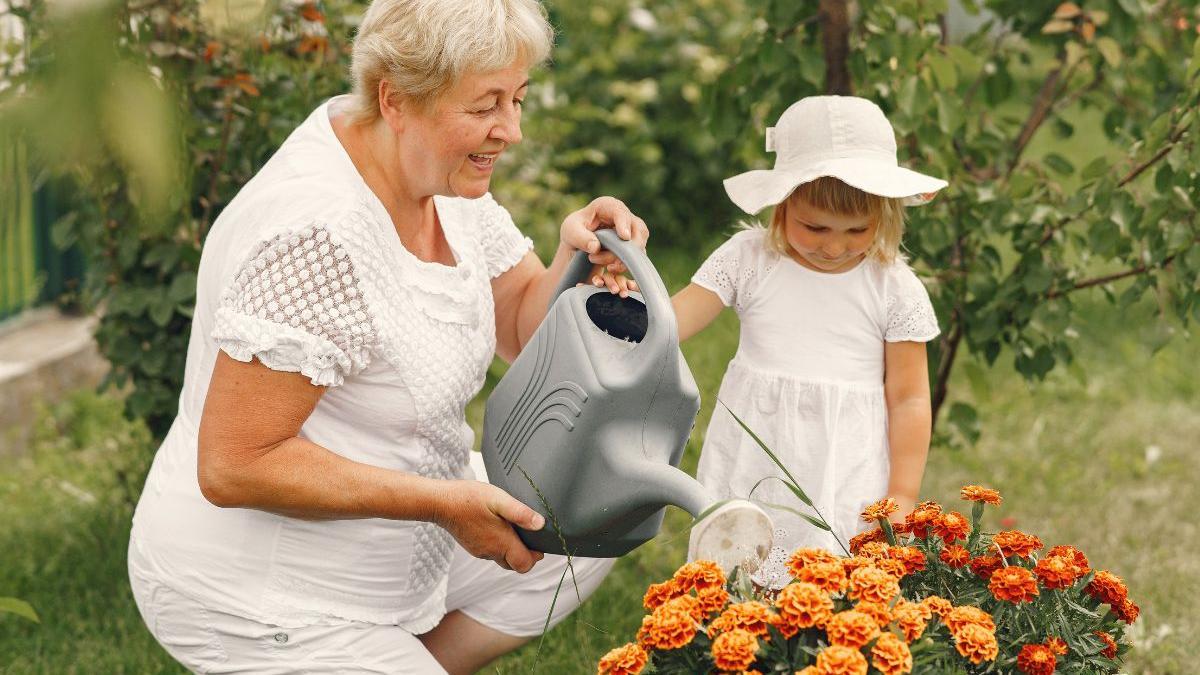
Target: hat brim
755,190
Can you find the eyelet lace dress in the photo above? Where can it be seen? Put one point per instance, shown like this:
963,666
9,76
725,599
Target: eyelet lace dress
808,379
304,271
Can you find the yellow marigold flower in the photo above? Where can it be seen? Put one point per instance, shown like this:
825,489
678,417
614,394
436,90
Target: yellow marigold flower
1013,584
871,584
976,643
671,626
698,574
752,616
803,557
912,557
851,629
1036,660
952,526
857,541
911,618
830,576
712,599
975,493
627,659
839,660
802,605
1057,645
880,510
1110,645
1015,542
891,656
880,613
939,606
657,594
955,556
1074,555
1055,572
964,615
1108,588
734,650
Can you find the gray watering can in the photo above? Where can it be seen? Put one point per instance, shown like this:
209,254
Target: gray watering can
588,425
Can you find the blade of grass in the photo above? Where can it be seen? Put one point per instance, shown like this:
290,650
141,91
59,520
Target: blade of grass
816,523
20,608
795,484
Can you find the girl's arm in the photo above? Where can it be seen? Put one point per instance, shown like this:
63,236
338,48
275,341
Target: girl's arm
906,389
695,308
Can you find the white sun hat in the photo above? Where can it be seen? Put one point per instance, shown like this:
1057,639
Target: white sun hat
845,137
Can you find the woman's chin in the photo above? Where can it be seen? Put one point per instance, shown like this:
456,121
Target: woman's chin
473,189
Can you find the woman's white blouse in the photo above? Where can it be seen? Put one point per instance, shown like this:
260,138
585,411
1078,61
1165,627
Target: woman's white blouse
808,378
304,271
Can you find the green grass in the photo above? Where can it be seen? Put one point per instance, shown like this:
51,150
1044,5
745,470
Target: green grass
1101,455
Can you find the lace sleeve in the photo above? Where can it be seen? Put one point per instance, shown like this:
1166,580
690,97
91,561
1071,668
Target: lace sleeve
733,270
296,305
503,244
910,316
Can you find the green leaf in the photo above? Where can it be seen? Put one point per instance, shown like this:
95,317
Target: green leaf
183,287
815,521
162,311
1110,50
1059,163
944,72
1095,169
795,484
20,608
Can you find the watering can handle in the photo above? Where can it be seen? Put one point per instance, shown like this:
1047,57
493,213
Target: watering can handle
661,316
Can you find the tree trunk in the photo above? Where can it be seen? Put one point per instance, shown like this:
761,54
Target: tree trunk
835,39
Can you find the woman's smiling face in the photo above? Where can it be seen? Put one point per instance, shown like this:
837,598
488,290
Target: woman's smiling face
452,147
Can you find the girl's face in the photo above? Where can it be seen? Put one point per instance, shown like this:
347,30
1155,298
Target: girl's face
825,241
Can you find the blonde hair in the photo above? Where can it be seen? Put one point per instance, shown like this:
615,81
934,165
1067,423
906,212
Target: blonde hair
830,194
423,47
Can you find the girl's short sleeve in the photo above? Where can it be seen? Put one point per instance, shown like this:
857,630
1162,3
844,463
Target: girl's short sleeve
735,267
910,316
503,244
296,305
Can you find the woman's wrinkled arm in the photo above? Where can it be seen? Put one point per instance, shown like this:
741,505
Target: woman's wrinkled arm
251,456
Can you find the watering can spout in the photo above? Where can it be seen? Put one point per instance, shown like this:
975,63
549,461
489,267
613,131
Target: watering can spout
667,485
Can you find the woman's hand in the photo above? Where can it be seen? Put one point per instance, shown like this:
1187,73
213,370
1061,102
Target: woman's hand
579,232
481,517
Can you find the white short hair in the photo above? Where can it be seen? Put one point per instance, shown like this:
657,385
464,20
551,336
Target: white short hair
423,47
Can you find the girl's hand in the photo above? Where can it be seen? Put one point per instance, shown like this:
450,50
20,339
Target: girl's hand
617,283
578,232
480,516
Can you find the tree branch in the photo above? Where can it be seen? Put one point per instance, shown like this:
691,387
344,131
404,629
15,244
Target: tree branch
1115,276
790,30
949,350
835,39
1037,114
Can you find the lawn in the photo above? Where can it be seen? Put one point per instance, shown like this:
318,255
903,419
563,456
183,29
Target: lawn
1101,455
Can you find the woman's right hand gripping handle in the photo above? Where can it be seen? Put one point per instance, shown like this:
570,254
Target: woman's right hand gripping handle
481,516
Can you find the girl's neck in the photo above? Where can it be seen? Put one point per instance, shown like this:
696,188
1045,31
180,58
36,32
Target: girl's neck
849,266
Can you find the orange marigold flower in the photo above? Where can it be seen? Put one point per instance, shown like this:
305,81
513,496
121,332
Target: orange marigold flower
891,656
912,557
922,519
1015,542
1110,645
671,626
985,565
851,629
712,599
752,616
976,643
892,567
975,493
627,659
698,574
1074,555
952,527
871,584
911,618
808,670
803,557
875,550
955,556
851,564
1127,611
839,660
1108,588
1055,572
802,605
1014,584
1057,645
657,594
830,576
734,650
880,613
962,616
1036,660
938,606
880,510
858,540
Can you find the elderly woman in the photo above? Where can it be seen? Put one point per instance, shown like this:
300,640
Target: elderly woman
312,508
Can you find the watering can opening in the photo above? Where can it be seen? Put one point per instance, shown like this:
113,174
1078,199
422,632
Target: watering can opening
622,318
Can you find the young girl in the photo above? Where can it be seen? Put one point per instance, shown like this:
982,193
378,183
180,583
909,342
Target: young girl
831,369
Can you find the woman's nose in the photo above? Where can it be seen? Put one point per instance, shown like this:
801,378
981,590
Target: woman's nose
508,129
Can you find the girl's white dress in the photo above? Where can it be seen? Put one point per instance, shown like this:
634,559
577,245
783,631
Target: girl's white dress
808,379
